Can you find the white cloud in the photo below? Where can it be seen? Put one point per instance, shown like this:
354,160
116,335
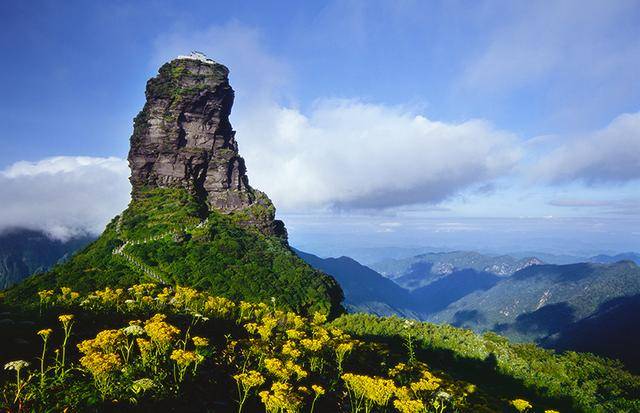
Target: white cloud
351,154
340,153
610,155
63,196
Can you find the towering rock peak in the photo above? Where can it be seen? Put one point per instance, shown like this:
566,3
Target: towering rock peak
183,138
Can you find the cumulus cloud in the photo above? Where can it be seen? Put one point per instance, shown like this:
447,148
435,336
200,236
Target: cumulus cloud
63,196
341,153
351,154
610,155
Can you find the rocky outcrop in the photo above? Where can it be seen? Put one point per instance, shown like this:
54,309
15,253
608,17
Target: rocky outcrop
183,138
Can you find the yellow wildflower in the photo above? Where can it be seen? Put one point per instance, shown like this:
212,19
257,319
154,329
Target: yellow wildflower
184,358
521,405
319,318
145,347
268,324
109,295
106,341
200,341
311,344
65,318
45,333
281,398
100,364
403,393
399,368
296,369
219,307
249,379
275,367
409,406
161,332
45,295
295,334
427,383
289,349
317,389
373,390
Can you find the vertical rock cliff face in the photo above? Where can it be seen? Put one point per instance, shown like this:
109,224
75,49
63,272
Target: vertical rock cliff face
183,138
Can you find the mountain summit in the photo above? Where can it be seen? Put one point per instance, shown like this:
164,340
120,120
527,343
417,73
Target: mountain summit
193,219
182,138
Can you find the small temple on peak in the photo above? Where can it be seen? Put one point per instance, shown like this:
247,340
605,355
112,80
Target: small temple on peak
196,55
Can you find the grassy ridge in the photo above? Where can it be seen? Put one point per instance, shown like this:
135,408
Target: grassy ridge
221,256
150,348
575,381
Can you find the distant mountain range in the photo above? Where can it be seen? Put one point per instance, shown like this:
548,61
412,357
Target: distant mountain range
423,269
585,306
24,252
610,259
561,259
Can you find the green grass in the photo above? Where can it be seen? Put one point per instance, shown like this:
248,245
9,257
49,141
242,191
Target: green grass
575,381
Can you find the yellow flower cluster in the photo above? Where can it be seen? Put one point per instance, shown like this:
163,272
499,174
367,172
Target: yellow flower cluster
427,383
45,295
164,296
200,341
312,344
219,307
409,406
285,359
109,295
160,332
281,398
140,290
106,341
374,390
65,319
521,405
184,358
67,296
267,326
290,349
249,379
45,333
284,370
100,364
146,348
185,298
318,390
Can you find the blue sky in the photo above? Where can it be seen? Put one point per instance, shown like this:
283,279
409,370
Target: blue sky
377,115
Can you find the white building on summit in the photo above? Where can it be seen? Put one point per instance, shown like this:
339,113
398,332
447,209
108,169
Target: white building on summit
195,55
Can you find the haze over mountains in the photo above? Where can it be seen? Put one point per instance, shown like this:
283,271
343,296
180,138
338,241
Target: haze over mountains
571,306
